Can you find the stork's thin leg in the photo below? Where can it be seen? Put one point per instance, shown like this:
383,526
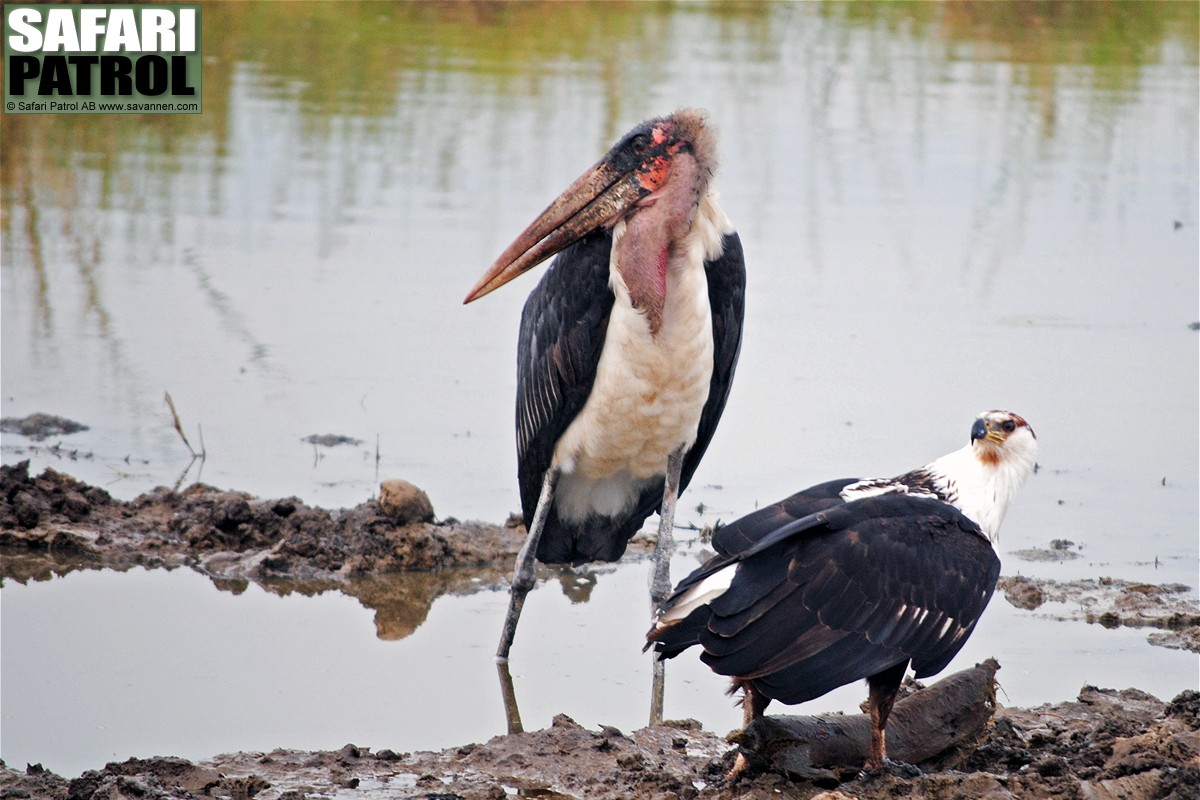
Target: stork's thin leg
656,691
524,576
660,579
883,688
660,582
512,714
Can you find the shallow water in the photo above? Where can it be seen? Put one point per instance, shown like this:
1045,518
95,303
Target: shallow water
159,663
944,209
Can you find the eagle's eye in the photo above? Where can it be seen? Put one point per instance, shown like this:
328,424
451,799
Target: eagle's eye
1009,426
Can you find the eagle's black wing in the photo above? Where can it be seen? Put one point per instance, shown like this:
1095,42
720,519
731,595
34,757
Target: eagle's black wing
736,541
878,582
842,594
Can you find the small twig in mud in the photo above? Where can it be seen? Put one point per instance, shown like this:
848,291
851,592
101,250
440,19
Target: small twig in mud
201,456
121,475
705,531
179,429
187,469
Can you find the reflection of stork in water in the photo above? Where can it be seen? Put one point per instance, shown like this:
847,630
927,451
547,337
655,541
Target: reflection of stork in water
627,349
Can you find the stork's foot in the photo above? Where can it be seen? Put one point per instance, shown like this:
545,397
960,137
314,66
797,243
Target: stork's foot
889,768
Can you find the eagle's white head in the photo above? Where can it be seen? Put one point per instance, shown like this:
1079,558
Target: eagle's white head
982,478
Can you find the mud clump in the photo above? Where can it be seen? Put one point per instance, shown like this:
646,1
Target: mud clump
41,426
26,504
1113,603
234,535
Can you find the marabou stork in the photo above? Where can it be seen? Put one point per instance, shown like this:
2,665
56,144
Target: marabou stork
853,579
627,348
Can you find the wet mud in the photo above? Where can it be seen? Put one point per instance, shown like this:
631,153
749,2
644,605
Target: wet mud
1106,743
1167,609
231,535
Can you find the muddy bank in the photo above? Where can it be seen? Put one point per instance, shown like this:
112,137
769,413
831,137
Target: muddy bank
1165,608
1106,744
231,535
52,524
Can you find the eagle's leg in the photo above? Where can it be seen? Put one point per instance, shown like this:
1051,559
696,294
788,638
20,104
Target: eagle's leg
881,696
754,703
525,576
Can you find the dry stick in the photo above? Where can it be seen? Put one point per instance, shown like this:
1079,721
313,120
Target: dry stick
178,426
201,456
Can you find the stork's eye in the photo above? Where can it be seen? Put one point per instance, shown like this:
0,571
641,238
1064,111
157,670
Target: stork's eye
640,143
1008,426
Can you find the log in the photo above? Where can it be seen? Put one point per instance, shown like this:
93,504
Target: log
936,726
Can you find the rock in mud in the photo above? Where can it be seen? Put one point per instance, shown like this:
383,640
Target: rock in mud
404,503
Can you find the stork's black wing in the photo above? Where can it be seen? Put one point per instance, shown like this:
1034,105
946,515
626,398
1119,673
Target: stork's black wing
727,300
563,325
843,594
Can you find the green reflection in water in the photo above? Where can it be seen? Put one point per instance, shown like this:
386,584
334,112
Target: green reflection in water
375,59
344,87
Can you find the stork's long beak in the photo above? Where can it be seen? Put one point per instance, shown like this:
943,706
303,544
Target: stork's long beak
597,198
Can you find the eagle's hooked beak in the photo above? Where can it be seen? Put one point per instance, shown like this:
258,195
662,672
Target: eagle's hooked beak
982,430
